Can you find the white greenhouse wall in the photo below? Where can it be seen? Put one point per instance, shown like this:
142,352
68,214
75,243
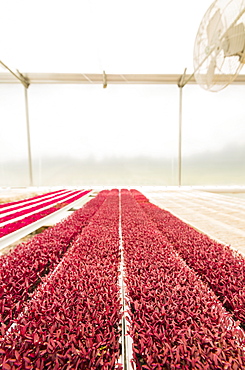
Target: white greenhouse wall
84,135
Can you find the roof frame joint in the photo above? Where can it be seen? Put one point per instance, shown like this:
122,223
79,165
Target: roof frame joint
182,82
23,79
17,75
104,80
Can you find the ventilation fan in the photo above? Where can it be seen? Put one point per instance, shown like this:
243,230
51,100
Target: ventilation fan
219,51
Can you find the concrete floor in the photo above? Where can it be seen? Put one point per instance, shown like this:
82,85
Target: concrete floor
220,216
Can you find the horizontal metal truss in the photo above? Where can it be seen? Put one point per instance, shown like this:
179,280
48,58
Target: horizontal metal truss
92,78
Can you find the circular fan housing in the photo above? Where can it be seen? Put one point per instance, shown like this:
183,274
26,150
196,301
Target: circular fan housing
219,51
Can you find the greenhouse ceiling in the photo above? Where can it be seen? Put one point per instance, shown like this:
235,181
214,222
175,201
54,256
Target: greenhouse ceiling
92,36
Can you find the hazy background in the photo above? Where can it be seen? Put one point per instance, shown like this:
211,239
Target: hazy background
84,135
87,135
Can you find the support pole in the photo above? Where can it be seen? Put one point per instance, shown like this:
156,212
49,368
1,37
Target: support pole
28,138
180,136
25,82
181,84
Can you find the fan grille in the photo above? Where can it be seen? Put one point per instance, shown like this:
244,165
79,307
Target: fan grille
219,51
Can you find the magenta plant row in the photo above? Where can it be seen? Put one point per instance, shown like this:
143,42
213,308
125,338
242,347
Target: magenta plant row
176,321
30,203
16,225
13,226
73,320
19,202
22,270
222,268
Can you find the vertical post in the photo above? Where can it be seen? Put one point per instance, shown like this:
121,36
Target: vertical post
28,138
181,84
180,135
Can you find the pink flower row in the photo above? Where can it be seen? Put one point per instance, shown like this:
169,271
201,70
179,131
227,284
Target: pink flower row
176,321
13,226
222,268
73,319
22,270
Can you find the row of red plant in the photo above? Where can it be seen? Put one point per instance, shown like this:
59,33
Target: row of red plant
29,208
16,225
46,195
29,203
22,270
222,268
176,321
12,225
73,320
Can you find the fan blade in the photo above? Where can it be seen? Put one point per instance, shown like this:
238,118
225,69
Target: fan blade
211,71
214,28
234,40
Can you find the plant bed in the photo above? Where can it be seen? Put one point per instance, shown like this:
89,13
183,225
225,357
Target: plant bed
73,319
221,267
176,321
22,270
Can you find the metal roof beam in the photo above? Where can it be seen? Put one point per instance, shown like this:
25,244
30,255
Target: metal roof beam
93,78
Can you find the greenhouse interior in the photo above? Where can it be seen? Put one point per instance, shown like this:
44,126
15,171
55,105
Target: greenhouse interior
122,185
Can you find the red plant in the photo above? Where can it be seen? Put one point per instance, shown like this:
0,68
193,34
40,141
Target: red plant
22,270
73,319
222,268
6,207
176,320
32,213
32,199
13,212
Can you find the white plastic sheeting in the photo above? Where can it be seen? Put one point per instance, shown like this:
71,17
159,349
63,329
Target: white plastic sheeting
86,135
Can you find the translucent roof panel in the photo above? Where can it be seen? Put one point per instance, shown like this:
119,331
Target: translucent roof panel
93,35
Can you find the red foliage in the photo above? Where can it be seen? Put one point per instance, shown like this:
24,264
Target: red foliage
22,269
19,210
176,321
30,218
222,268
32,199
73,320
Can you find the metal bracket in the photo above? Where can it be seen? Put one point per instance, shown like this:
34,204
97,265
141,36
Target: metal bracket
182,82
18,75
104,80
24,80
